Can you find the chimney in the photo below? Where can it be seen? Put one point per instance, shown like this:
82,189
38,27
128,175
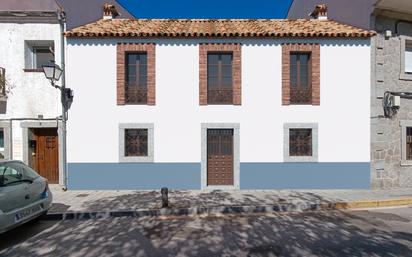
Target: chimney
320,12
109,11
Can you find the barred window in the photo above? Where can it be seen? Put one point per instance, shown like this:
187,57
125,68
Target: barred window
219,78
136,76
408,143
300,142
136,142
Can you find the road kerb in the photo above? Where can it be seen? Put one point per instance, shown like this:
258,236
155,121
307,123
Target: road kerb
373,203
282,207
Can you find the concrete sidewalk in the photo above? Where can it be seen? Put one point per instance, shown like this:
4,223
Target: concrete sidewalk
72,204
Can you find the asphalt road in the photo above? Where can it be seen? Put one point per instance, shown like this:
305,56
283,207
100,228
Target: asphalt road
383,232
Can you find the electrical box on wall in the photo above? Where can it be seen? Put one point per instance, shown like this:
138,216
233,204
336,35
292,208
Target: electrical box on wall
396,101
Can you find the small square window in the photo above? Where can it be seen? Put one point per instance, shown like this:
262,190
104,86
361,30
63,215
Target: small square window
38,53
136,142
42,55
300,142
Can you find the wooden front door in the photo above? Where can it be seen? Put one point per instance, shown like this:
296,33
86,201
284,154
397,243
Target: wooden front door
220,157
45,155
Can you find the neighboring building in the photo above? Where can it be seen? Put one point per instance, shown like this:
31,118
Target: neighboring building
80,12
353,12
391,72
194,104
29,127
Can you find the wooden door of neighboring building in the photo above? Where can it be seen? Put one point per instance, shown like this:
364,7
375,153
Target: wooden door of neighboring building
220,157
46,156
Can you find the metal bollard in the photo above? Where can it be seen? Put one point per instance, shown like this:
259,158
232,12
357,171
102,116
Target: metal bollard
165,197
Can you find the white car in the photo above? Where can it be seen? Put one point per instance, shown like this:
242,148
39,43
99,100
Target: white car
24,195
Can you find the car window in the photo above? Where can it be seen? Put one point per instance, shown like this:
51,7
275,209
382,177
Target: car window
14,172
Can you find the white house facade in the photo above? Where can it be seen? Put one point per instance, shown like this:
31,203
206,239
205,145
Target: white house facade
283,106
30,107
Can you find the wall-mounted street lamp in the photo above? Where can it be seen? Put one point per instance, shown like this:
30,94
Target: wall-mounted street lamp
53,73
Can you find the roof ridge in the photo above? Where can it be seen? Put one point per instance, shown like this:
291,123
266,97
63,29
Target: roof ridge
219,28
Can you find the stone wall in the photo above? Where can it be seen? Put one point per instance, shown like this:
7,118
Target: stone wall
386,168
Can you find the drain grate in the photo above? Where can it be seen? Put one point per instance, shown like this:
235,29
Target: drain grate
82,195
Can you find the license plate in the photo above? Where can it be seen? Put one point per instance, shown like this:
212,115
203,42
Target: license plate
27,212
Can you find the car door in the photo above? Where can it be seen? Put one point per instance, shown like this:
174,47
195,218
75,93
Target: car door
12,196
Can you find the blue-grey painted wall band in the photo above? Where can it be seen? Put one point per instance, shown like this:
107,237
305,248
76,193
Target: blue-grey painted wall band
112,176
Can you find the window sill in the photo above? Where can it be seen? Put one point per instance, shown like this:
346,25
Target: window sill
33,70
406,162
300,159
405,76
148,159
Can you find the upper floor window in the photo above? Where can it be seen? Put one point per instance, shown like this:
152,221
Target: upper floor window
136,73
301,74
38,53
408,57
220,75
300,84
219,78
136,76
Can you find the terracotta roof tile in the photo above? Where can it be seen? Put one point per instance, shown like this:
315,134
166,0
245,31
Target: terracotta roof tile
218,28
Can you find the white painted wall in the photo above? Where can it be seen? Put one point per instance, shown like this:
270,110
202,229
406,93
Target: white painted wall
343,116
31,94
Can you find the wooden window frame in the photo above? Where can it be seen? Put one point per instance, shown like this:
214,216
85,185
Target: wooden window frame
235,49
127,100
314,72
122,50
298,87
219,88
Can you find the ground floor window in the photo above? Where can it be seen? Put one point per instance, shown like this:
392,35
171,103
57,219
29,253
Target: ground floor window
2,154
300,142
406,142
5,140
136,142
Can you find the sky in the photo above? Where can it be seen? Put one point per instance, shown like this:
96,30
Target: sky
213,9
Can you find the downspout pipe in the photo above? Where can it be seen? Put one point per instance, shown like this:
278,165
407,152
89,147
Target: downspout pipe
62,21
